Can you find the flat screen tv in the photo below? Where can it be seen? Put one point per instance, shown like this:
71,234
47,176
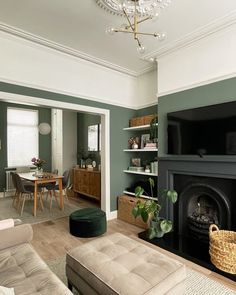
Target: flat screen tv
209,130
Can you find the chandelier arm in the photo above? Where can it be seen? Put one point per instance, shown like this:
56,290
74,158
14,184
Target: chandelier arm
148,34
123,31
130,24
137,33
138,22
139,43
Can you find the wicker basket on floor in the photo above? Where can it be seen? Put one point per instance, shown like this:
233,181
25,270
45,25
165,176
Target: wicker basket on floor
223,249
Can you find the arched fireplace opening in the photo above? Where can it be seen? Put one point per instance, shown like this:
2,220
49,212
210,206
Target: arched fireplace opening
200,205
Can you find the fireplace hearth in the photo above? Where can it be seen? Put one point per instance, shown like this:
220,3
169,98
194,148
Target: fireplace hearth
206,196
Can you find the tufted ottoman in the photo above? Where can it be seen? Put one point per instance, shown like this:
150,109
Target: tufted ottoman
116,264
88,222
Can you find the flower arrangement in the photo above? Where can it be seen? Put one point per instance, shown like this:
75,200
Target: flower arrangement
38,162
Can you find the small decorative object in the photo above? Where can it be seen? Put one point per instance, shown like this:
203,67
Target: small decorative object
134,142
136,162
94,164
147,169
223,249
144,139
149,211
39,165
44,128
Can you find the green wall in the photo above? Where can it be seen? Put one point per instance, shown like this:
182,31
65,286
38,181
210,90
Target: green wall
219,92
119,118
83,121
44,140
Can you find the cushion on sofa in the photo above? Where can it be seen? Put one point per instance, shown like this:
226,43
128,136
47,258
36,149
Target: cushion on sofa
15,236
21,267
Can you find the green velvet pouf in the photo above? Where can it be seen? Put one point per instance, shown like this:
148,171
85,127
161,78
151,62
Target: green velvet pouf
88,222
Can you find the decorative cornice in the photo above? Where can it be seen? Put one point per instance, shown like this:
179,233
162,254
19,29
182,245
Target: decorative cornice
73,94
198,84
145,8
69,51
205,31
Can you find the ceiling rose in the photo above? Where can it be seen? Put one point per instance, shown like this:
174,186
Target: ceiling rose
144,7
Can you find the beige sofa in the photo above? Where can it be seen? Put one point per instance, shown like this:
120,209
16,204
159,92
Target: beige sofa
22,269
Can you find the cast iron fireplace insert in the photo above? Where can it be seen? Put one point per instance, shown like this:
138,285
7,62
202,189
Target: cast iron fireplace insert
202,201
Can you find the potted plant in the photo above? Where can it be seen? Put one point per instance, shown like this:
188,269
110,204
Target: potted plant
150,209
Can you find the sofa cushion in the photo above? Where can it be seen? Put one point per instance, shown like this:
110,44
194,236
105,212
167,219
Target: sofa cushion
22,269
116,264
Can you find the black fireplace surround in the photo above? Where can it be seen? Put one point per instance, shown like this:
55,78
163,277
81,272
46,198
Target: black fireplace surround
206,194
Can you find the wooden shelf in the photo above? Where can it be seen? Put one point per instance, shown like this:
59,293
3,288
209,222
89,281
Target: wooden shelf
141,150
142,127
140,172
142,196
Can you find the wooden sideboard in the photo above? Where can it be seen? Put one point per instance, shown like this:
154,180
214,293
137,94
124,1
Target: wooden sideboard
87,182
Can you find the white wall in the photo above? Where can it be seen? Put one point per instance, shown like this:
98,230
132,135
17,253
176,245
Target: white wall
57,140
147,89
205,61
69,139
30,64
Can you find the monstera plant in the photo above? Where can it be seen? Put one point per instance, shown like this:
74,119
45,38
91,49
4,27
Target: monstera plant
150,209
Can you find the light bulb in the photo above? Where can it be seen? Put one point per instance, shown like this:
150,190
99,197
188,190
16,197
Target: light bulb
122,5
161,36
141,49
110,31
154,16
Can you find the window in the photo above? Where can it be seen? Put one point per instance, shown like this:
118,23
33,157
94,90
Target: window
22,136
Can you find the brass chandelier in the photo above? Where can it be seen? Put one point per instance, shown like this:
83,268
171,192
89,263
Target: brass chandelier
135,12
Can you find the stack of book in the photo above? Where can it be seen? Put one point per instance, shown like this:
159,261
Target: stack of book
150,145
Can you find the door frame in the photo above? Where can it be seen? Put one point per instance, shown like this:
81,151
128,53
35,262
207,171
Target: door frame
105,134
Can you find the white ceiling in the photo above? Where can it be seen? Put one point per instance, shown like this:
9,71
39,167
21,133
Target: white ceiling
80,25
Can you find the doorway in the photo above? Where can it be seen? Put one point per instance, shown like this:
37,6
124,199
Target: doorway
105,134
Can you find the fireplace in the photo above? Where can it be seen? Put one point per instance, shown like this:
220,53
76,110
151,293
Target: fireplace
202,201
207,194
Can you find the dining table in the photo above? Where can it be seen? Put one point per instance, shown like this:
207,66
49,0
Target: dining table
43,179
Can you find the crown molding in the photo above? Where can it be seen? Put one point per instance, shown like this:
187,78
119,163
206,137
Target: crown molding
197,84
69,51
209,29
72,94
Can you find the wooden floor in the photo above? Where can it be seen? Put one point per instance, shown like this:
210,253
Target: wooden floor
52,240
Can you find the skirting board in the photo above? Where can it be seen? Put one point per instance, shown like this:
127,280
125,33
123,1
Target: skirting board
113,215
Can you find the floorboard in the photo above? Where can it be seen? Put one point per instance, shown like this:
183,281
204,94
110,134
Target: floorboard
52,240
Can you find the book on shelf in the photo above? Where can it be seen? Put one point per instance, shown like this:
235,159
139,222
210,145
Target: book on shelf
150,145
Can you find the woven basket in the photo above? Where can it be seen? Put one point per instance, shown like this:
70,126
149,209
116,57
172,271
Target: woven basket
223,249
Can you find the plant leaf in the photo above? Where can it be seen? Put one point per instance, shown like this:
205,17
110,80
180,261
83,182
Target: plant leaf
166,225
135,212
172,195
151,232
151,181
144,215
138,191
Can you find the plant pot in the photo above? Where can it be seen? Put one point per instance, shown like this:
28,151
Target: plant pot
38,171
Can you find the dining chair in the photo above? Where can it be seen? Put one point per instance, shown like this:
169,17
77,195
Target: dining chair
52,188
16,195
25,190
